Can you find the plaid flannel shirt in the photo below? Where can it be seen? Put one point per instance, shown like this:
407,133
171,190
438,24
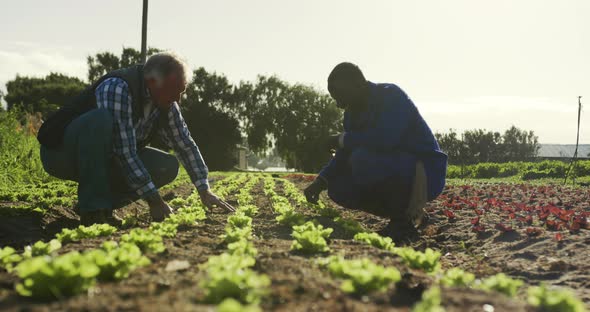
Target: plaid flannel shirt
113,94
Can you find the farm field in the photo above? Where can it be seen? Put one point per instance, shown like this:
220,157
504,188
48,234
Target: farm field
486,247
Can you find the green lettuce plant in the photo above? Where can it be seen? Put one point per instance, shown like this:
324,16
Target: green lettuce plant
116,261
456,277
310,239
549,300
145,240
47,278
375,240
427,260
82,232
362,276
500,283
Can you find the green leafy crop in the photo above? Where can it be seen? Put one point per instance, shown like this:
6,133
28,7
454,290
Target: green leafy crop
431,301
456,277
242,247
290,218
310,239
49,278
164,229
239,221
9,258
249,210
350,226
230,276
554,300
232,305
82,232
41,249
116,261
427,260
500,283
362,276
145,240
375,240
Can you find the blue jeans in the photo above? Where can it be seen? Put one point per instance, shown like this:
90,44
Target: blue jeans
86,156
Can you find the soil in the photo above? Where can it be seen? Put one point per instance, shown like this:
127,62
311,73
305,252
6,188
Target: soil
299,284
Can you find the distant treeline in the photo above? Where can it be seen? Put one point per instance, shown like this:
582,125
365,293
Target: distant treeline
482,146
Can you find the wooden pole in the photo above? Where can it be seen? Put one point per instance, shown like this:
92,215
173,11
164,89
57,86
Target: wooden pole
144,31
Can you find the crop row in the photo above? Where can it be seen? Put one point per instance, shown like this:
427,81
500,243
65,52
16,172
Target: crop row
230,280
521,170
46,274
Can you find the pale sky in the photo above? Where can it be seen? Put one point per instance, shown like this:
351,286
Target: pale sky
465,63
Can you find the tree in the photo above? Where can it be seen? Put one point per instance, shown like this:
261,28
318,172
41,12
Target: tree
292,118
451,145
520,144
1,103
479,145
482,145
105,62
43,95
216,132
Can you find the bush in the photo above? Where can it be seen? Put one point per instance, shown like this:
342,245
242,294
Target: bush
19,151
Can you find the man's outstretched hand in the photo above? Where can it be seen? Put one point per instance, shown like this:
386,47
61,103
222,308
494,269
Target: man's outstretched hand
211,200
312,192
159,209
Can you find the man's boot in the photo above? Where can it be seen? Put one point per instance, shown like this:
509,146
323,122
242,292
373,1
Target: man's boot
89,218
112,219
401,230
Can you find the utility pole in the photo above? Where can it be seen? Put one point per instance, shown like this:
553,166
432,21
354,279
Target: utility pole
575,156
144,31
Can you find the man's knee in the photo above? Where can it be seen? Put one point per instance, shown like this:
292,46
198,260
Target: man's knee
163,167
172,167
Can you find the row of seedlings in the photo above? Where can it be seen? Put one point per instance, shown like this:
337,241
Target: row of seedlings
45,274
230,280
359,276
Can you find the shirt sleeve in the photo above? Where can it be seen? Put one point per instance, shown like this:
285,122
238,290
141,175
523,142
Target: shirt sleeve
177,136
335,164
113,95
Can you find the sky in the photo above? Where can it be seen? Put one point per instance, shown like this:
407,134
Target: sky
465,63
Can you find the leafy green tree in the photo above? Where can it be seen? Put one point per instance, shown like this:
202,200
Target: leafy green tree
520,145
105,62
43,95
1,103
483,146
294,119
452,145
478,146
215,131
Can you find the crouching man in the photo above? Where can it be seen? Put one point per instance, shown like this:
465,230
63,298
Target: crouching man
99,140
387,160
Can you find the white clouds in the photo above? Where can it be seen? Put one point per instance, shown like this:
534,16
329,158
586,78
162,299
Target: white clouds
30,59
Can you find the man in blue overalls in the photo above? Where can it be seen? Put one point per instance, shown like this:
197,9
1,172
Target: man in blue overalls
387,160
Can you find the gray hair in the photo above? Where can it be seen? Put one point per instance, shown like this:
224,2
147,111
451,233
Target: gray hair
160,65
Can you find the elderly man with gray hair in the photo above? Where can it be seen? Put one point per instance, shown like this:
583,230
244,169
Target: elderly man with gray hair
100,140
